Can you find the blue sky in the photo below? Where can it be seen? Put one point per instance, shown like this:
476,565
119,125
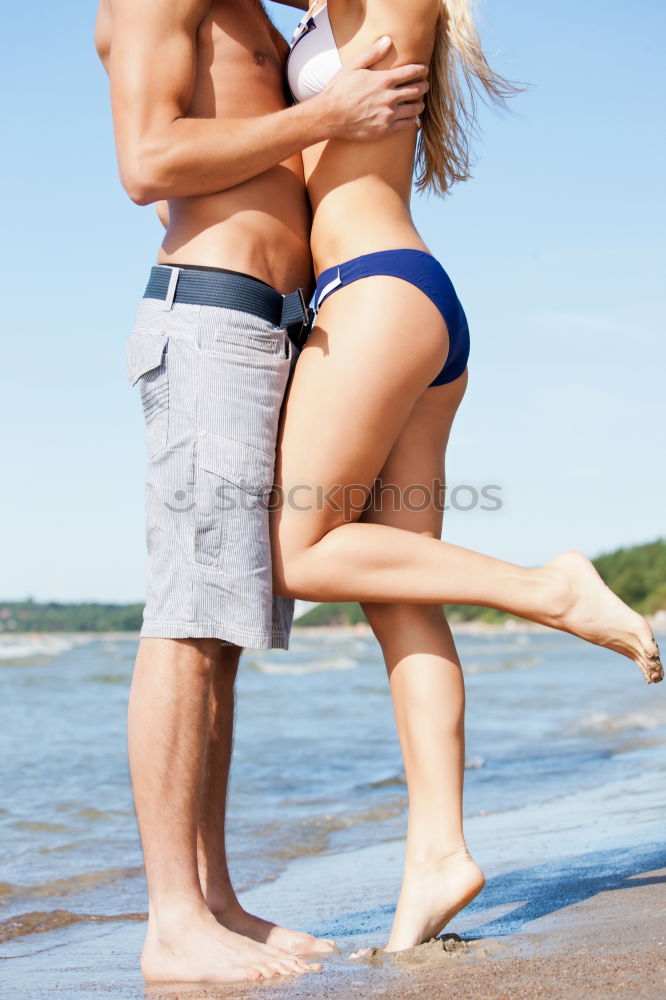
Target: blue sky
556,248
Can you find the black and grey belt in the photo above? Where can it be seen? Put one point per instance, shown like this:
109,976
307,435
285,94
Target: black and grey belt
208,286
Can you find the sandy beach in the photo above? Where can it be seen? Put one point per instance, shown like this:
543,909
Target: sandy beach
610,945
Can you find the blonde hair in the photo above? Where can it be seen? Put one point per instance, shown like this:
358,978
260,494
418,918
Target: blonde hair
458,72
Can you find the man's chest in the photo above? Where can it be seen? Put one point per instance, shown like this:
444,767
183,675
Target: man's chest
238,40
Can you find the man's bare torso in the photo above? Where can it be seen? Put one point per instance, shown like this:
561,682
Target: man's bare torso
261,226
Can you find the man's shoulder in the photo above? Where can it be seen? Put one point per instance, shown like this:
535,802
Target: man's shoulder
148,10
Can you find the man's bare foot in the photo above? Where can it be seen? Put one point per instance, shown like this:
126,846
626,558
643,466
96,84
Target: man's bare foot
235,918
586,607
194,947
431,895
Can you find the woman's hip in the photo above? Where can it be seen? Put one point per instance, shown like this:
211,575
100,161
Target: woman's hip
419,269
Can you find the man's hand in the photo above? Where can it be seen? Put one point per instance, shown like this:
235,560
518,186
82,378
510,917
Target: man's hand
362,103
163,153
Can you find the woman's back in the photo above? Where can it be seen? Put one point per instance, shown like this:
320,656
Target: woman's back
360,190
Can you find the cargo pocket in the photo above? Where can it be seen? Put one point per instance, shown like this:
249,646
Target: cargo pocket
233,485
146,357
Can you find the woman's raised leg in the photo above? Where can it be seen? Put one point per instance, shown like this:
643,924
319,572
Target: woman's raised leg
377,345
427,686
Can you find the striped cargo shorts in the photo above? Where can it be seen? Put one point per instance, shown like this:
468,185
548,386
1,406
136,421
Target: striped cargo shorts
211,381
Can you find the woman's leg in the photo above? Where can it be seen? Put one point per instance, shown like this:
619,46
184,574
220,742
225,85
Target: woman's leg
377,345
427,687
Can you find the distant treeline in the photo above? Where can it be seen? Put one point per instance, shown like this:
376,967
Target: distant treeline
637,574
30,616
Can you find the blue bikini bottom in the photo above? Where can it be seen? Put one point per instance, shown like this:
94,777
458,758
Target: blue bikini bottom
420,269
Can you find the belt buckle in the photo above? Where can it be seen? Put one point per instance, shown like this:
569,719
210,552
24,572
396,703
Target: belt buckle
299,332
304,305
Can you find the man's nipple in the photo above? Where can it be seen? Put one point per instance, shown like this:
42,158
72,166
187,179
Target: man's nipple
259,58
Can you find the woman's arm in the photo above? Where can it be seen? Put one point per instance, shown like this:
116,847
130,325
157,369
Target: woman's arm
163,153
411,27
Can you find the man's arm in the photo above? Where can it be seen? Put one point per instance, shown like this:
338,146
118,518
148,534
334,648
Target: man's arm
301,4
164,154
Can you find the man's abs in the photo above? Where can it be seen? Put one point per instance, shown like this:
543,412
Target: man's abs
261,227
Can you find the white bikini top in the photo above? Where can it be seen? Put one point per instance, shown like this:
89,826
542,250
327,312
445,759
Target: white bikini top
313,58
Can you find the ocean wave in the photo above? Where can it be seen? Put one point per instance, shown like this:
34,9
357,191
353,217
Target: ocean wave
391,782
312,835
66,886
399,780
110,678
278,668
27,646
39,826
39,921
497,666
100,815
600,723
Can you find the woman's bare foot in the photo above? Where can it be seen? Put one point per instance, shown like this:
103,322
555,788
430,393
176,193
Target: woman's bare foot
586,607
431,895
293,942
196,948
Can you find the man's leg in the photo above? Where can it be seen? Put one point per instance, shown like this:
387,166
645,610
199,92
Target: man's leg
213,870
167,724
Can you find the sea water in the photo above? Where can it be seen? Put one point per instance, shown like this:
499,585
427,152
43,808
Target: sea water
317,767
